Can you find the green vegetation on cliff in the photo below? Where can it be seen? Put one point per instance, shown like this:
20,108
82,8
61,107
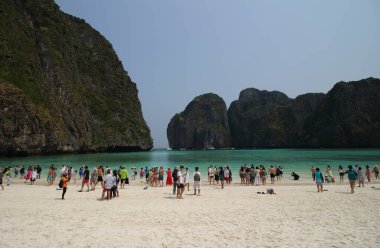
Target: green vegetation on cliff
83,97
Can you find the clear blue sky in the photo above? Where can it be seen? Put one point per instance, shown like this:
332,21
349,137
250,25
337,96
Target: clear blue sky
176,50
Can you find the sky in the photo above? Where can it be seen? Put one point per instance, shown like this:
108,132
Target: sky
175,50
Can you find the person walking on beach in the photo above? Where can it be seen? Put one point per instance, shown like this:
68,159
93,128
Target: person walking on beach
180,183
376,171
174,175
360,176
368,173
352,176
319,179
169,177
197,181
86,179
64,179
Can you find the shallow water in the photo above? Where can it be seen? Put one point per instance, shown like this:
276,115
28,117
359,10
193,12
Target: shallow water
298,160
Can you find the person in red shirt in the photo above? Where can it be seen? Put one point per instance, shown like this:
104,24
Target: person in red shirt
65,179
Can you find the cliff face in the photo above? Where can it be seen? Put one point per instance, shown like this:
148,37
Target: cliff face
349,116
75,94
203,124
257,119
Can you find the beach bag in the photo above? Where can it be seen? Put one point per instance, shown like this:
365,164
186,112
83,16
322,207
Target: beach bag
60,185
197,177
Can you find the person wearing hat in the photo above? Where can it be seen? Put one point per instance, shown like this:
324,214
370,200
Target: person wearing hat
123,176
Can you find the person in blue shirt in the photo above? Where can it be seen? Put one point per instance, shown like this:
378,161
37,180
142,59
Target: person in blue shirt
319,179
352,175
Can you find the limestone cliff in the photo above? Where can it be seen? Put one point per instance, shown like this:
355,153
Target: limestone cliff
63,88
203,124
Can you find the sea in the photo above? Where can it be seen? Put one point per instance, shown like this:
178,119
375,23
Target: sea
292,160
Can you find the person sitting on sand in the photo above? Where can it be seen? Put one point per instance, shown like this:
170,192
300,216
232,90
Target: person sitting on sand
180,183
319,179
352,175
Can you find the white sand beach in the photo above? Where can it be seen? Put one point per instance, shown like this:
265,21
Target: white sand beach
297,216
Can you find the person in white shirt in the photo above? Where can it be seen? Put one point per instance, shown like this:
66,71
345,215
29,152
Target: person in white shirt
108,183
180,183
197,181
34,176
63,170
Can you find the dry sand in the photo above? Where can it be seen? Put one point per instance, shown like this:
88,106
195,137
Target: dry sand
297,216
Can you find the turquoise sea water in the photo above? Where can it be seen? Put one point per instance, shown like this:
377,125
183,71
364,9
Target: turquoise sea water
298,160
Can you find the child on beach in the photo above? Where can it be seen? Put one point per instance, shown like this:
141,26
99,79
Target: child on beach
319,179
